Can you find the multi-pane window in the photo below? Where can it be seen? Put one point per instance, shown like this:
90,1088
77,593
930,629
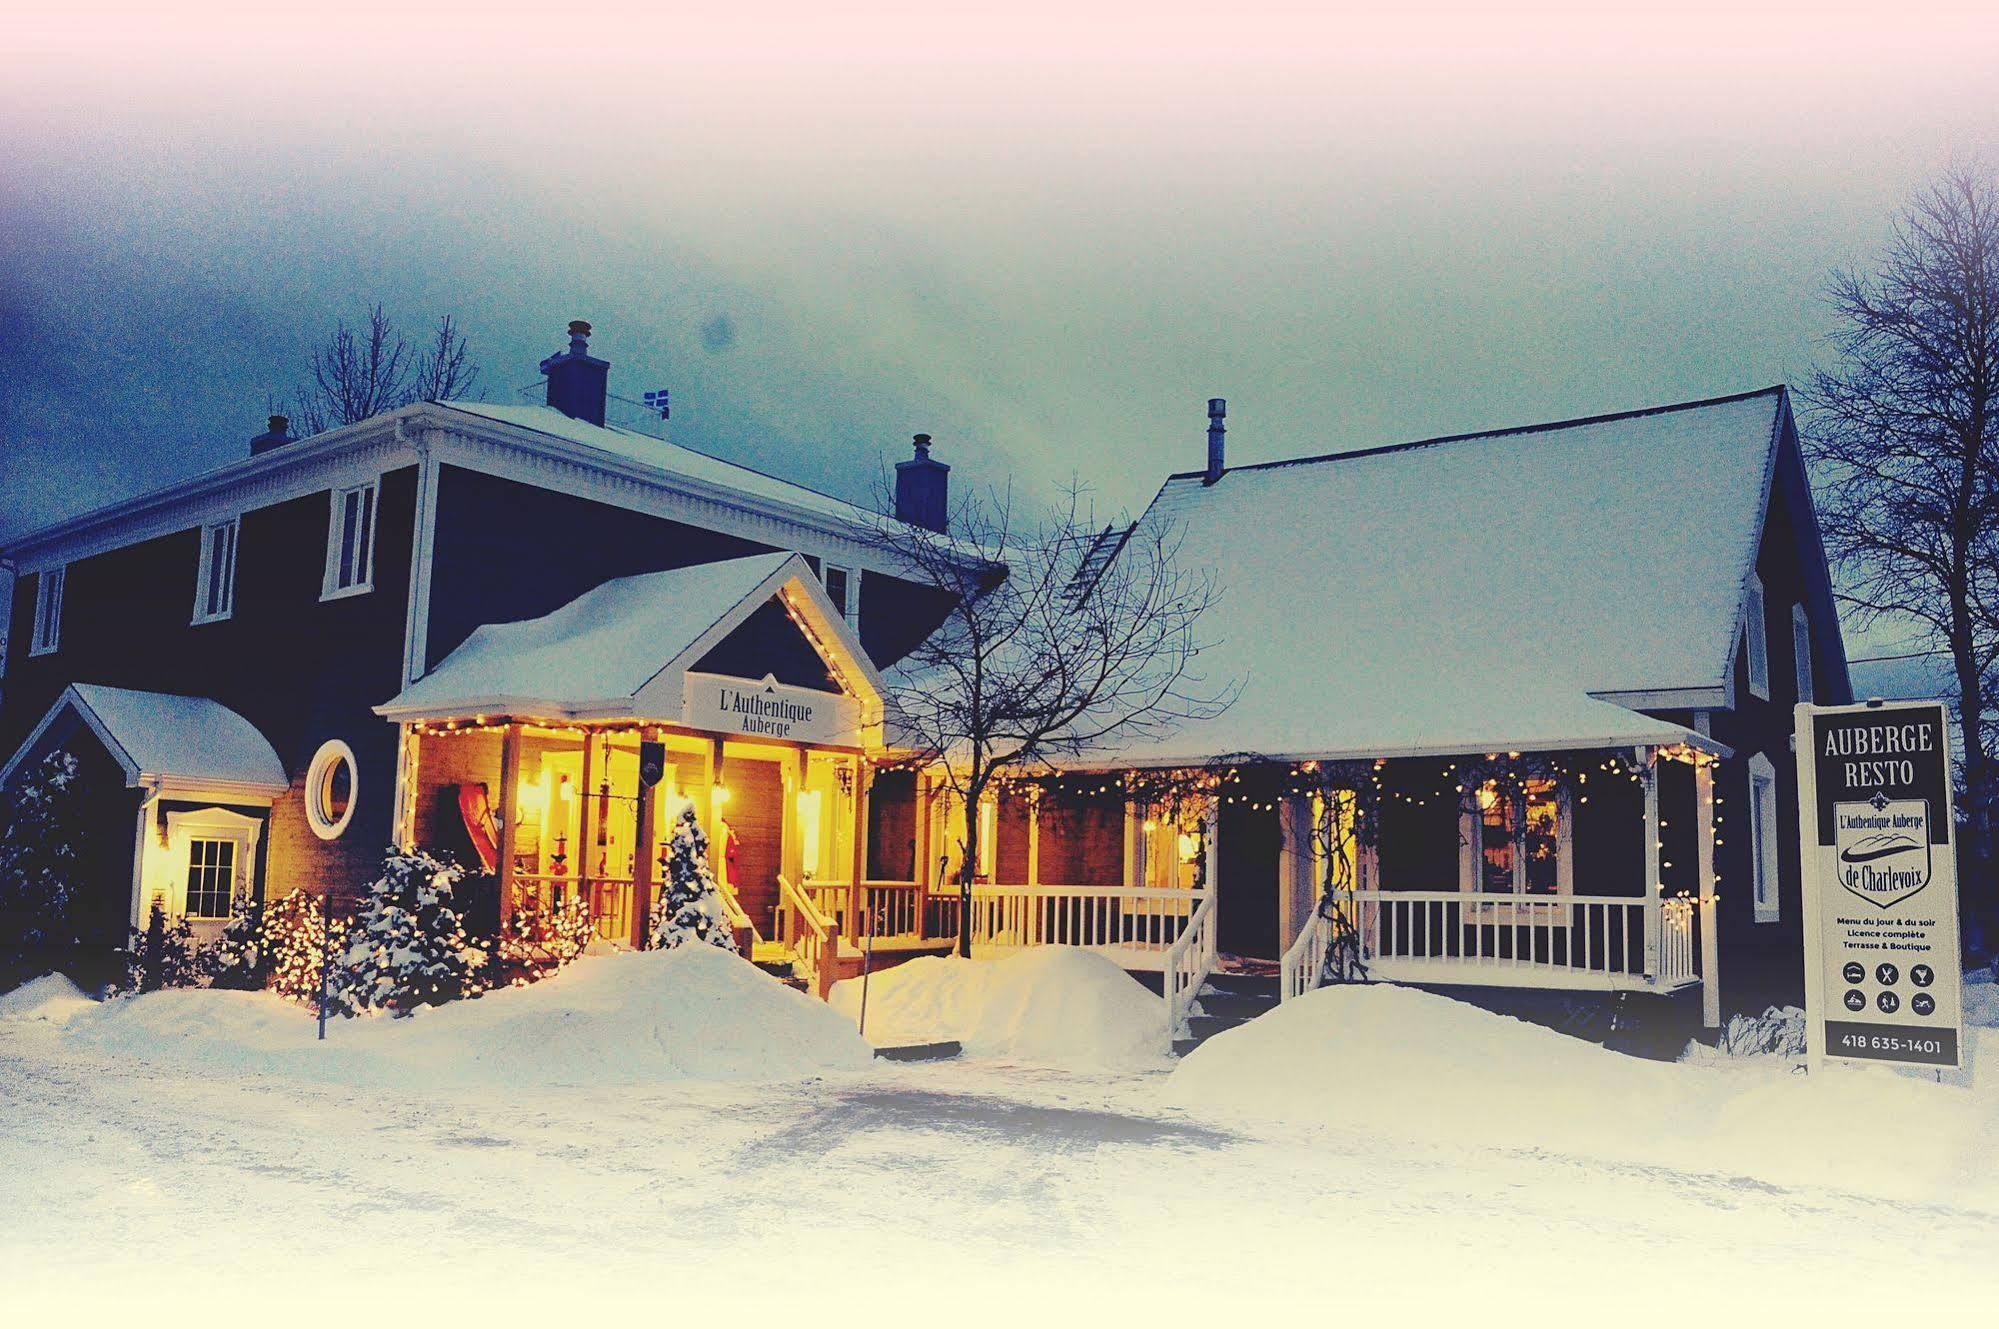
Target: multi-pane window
843,588
215,583
48,611
1515,842
1801,650
1756,640
1763,832
350,542
211,877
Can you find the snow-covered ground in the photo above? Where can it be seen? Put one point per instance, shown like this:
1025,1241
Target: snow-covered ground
237,1171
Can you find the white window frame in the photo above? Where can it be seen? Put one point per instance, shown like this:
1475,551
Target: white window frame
351,571
46,637
209,607
1765,890
1756,638
1801,651
183,829
851,609
1471,860
331,751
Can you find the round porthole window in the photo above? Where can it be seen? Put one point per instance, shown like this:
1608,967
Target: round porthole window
329,789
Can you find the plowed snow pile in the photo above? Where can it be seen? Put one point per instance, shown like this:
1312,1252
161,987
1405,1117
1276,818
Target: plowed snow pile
695,1013
52,999
1407,1064
1055,1004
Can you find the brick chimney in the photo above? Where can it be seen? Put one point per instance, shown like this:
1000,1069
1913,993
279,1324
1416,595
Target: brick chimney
577,380
923,489
277,433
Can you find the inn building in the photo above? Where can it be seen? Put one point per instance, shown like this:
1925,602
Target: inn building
1553,668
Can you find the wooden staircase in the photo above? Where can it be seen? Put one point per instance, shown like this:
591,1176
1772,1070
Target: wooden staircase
1226,1001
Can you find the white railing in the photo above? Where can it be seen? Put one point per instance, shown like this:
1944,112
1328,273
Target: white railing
812,936
887,908
1579,936
1304,962
1676,941
1141,923
1187,965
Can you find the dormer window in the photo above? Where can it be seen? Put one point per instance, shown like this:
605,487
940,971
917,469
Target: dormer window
843,588
215,577
48,611
350,543
1756,639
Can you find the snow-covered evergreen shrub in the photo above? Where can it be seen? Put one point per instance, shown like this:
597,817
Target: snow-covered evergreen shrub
690,908
162,955
541,938
294,945
40,830
235,959
407,947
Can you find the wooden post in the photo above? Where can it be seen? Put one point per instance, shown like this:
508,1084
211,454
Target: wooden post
1033,838
863,776
1652,888
642,865
1710,970
717,860
508,815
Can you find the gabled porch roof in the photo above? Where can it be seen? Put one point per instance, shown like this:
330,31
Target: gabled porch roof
624,649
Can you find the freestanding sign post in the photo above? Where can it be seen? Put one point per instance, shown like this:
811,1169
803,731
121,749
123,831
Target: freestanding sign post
1879,862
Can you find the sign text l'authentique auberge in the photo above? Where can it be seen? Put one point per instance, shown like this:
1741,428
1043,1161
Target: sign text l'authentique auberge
1880,883
770,709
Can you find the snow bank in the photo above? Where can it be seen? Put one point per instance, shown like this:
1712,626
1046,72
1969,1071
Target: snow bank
696,1013
1412,1065
1054,1004
51,998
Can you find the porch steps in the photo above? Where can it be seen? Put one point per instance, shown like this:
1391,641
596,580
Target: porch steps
1226,1001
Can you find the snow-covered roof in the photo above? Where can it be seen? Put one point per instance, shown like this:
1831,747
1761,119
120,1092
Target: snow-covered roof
597,654
157,736
1477,593
683,462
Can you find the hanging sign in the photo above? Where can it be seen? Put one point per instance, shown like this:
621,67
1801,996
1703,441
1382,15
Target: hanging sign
1880,883
769,709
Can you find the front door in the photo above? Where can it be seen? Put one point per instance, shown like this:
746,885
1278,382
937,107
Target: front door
755,814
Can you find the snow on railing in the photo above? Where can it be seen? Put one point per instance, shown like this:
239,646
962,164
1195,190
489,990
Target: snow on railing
1188,963
1405,932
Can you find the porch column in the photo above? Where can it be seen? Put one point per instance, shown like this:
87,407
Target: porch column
717,859
586,823
1710,969
1650,767
508,817
1211,848
642,865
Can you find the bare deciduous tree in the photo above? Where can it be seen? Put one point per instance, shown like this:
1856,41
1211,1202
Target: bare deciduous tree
1904,435
1063,639
362,372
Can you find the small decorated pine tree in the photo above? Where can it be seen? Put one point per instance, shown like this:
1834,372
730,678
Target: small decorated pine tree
293,944
162,954
236,959
690,908
542,938
407,947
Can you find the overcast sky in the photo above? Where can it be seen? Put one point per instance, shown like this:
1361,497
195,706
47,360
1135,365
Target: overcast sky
1044,234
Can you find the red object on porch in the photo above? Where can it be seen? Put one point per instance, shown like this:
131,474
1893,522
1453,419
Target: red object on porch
480,827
